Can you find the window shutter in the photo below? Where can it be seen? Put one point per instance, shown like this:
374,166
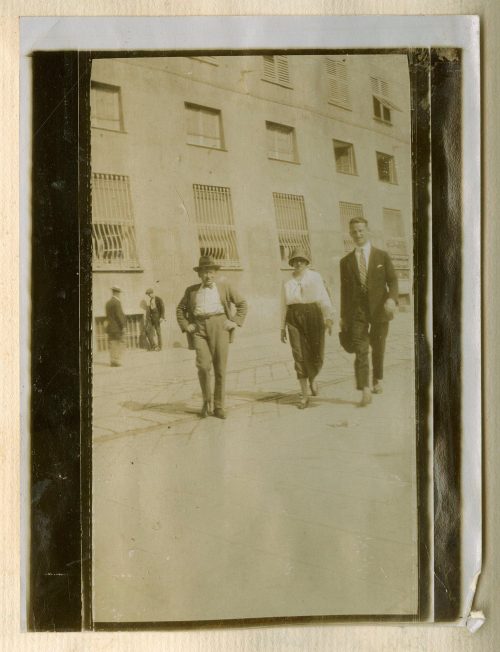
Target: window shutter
338,83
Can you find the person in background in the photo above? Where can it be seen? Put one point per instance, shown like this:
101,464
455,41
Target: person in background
115,327
368,297
155,314
307,312
206,314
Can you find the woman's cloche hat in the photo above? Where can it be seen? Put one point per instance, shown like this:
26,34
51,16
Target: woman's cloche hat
207,262
299,252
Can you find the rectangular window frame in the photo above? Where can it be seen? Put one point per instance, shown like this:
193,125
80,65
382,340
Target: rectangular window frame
273,128
215,224
339,90
276,70
351,168
348,210
291,225
196,139
383,159
114,244
114,124
396,244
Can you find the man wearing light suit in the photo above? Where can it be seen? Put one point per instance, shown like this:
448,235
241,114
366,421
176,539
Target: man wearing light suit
368,297
209,313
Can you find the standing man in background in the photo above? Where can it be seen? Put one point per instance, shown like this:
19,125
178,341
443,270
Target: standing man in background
115,327
368,298
155,314
206,314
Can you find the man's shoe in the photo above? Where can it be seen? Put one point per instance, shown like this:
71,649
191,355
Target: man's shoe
206,410
378,387
366,397
219,413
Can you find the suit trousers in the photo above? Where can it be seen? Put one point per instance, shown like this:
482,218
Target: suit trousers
153,327
211,343
116,347
365,334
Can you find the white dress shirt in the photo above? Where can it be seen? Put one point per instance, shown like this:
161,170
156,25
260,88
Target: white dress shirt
208,301
310,288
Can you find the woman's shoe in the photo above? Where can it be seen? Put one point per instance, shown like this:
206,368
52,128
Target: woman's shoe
314,388
303,403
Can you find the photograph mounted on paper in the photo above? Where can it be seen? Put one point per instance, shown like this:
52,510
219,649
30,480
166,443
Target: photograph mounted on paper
259,408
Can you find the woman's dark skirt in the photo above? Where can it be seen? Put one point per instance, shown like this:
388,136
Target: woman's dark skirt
306,332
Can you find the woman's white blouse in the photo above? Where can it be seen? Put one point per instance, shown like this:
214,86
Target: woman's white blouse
308,289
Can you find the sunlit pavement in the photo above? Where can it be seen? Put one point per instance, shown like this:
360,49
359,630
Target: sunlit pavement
273,512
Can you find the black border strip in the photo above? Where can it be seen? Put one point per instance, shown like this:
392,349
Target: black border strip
446,80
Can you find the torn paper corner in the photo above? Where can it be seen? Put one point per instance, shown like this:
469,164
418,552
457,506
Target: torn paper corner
474,621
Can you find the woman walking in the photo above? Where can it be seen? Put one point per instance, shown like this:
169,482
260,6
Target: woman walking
306,312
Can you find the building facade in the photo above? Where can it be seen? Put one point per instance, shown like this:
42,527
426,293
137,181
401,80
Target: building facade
243,158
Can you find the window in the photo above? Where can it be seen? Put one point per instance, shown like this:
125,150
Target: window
204,126
276,70
347,212
281,144
211,60
344,157
105,107
396,245
215,223
386,168
338,83
382,102
291,222
113,230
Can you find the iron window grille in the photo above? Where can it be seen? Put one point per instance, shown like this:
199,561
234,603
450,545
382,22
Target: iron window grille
105,107
386,166
344,157
291,222
113,229
215,224
132,335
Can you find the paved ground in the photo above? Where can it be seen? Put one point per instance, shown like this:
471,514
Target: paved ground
273,512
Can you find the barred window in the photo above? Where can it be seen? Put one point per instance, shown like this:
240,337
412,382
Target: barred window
113,229
386,168
105,106
291,221
347,212
215,223
276,70
204,126
344,157
132,335
281,143
338,83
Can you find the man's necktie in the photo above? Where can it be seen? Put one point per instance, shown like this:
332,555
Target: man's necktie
362,267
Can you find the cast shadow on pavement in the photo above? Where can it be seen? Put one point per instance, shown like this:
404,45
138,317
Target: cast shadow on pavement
176,407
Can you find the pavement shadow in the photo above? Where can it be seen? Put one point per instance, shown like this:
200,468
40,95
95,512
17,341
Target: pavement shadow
333,401
177,407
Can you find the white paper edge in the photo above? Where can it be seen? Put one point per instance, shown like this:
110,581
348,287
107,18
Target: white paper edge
315,32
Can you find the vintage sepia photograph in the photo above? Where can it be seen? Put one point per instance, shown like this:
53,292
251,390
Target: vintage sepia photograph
253,408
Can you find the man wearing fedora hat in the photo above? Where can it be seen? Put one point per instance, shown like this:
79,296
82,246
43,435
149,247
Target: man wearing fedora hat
206,314
115,327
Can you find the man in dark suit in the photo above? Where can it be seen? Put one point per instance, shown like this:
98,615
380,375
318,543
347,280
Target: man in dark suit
115,327
155,314
368,297
206,314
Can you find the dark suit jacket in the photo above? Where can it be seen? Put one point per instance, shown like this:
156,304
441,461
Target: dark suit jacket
160,306
381,281
116,318
229,297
